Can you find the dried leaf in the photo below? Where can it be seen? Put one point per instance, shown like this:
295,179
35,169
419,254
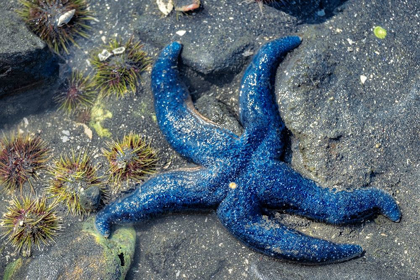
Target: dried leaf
87,130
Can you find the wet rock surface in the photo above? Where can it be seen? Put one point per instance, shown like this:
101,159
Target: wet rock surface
80,254
219,25
26,63
218,113
90,199
349,99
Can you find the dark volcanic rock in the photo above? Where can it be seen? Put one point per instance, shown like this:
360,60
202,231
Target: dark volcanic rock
218,112
90,198
347,127
352,103
218,38
222,34
25,63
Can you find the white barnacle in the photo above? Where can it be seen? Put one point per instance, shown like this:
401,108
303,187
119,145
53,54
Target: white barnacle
119,50
104,55
65,18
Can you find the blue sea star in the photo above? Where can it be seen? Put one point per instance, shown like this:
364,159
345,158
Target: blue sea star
242,176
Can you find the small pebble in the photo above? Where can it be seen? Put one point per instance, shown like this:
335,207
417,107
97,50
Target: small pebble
321,13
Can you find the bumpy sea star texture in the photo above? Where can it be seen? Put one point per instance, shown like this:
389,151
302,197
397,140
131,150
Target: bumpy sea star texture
242,176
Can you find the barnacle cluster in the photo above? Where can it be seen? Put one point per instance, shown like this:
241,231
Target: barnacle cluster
118,67
21,157
130,158
56,22
30,222
73,175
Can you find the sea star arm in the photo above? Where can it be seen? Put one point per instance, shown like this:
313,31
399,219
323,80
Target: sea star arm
240,213
189,133
258,108
285,188
175,191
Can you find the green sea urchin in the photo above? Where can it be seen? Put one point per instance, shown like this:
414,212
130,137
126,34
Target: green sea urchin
73,177
78,93
119,67
20,159
131,158
30,222
56,22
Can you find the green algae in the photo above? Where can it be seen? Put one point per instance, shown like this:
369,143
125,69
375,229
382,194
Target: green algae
118,249
12,268
98,115
379,32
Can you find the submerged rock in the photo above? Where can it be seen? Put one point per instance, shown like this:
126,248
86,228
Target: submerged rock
82,254
213,46
218,112
90,198
25,63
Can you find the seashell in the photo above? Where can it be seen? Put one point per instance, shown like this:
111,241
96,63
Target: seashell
195,4
165,8
104,55
119,50
248,52
65,18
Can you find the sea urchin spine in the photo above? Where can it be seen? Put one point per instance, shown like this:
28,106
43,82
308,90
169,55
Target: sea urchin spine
56,22
20,159
119,67
73,176
131,158
30,222
79,93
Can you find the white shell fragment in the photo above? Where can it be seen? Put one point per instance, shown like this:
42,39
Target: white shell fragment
87,130
119,50
65,18
104,55
363,79
165,8
181,32
248,52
